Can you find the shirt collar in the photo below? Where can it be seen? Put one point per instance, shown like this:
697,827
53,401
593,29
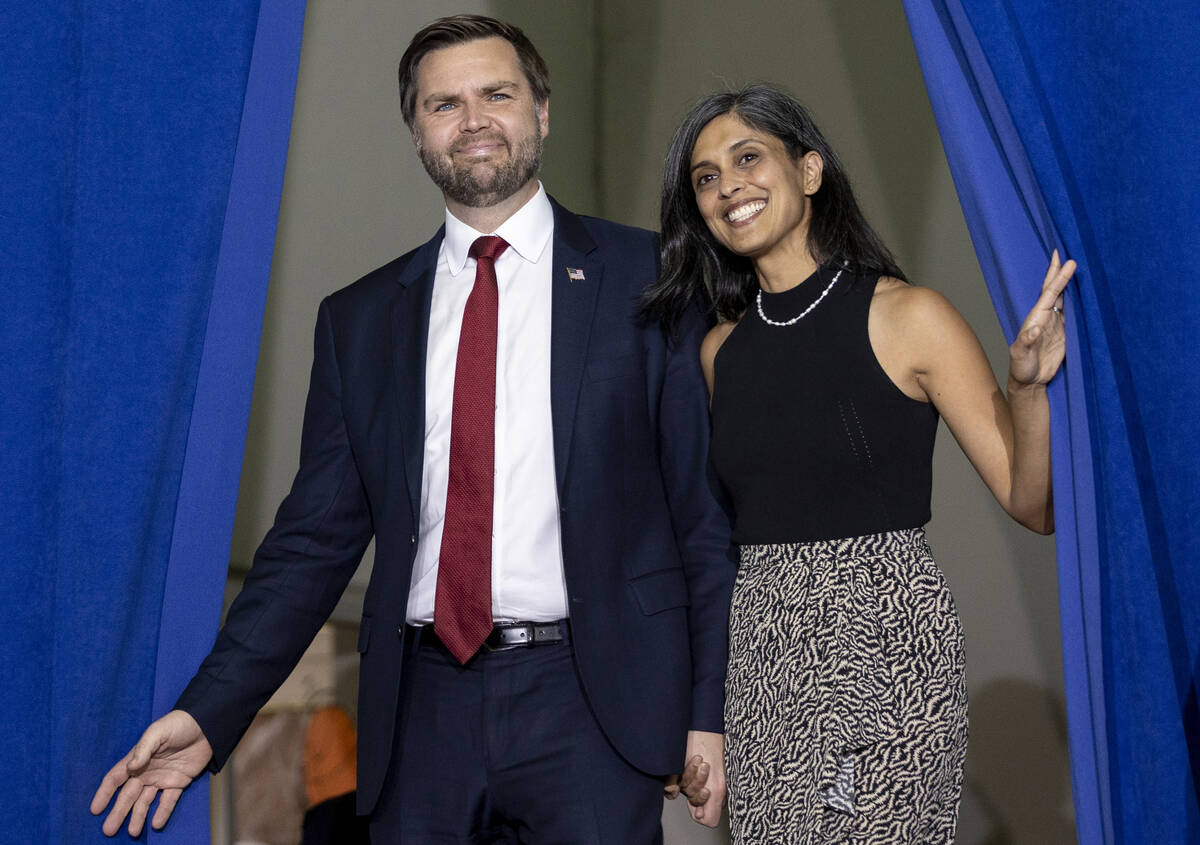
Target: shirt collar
527,232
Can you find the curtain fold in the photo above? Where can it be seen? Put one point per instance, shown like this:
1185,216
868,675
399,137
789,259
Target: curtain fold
144,148
1069,127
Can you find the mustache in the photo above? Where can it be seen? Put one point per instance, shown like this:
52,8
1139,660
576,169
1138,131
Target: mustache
493,138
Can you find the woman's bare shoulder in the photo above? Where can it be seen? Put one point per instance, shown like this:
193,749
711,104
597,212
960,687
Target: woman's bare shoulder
907,305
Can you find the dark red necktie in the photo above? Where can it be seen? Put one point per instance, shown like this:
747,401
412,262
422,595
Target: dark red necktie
462,614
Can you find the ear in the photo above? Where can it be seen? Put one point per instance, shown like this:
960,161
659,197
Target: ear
814,168
543,117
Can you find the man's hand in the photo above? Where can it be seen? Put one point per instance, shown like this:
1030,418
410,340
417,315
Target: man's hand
703,779
167,758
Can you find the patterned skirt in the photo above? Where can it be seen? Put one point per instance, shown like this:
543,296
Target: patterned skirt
845,703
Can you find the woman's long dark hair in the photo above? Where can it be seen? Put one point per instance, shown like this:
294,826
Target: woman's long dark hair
696,268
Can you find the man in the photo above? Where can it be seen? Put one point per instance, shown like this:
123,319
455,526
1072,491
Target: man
544,630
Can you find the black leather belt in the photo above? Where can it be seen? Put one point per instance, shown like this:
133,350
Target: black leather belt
509,635
505,635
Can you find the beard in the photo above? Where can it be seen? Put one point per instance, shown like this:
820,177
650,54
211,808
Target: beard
484,184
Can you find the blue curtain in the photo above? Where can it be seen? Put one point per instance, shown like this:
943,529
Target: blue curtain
144,146
1070,126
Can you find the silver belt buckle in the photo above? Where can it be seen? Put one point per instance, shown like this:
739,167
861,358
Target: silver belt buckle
511,636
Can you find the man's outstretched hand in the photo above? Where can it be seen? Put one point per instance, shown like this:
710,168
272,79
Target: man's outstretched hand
167,758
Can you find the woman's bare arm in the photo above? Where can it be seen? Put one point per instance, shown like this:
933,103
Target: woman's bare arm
934,354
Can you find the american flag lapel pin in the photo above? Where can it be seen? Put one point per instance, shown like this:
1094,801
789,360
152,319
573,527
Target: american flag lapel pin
574,274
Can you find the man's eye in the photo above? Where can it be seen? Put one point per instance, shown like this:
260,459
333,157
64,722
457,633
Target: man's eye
444,107
498,96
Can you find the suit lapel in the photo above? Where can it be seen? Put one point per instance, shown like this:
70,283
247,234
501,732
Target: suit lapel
410,337
572,308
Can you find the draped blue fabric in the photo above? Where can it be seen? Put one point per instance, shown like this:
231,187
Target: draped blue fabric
144,146
1069,126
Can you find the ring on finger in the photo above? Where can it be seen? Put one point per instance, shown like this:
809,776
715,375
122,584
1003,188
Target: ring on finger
1056,309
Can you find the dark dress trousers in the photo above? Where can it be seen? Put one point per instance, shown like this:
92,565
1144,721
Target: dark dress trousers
645,546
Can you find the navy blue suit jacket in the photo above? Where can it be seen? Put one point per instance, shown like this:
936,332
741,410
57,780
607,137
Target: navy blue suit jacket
645,546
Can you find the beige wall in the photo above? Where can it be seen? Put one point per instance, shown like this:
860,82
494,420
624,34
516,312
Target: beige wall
623,73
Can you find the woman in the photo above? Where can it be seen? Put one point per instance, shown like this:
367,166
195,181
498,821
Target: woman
845,700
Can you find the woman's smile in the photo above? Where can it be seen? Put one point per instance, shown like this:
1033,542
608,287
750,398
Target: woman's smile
744,212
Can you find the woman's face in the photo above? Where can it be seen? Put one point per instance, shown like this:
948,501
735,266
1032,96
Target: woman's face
753,195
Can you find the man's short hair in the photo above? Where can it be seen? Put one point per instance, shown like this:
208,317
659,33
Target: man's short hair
460,29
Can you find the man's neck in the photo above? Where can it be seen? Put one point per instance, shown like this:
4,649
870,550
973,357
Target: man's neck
489,218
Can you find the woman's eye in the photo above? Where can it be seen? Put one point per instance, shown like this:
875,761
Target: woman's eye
748,158
704,179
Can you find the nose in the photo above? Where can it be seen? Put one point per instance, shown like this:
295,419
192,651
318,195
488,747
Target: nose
728,184
473,117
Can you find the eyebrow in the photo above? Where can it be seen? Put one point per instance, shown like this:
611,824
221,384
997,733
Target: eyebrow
735,145
490,88
496,86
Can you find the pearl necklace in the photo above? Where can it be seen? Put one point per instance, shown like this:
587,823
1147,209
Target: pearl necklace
803,313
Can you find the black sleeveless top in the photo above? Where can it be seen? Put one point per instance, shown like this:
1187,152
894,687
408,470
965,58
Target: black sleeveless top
811,438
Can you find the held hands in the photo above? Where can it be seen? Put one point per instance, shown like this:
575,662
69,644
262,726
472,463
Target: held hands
168,757
703,778
1037,352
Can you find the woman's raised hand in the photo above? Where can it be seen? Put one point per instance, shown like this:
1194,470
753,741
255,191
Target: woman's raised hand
1037,353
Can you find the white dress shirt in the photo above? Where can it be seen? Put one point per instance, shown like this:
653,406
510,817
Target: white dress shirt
527,568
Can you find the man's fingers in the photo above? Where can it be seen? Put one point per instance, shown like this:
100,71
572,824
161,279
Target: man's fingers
114,779
695,774
691,780
671,787
166,806
696,788
120,809
108,786
137,817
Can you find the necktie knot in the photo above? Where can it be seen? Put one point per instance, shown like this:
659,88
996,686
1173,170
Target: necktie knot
489,247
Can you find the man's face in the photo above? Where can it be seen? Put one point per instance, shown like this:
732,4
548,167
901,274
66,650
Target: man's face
477,128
